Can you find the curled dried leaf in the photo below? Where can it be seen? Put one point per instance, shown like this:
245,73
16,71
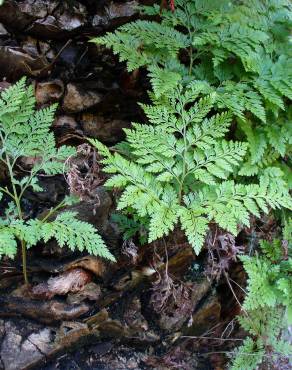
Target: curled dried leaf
170,297
222,251
70,281
83,175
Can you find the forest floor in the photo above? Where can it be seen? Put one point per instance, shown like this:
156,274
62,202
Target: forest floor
158,307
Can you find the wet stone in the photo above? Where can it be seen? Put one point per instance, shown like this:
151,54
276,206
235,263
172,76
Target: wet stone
114,13
66,122
106,130
205,317
49,91
3,31
37,9
18,352
15,62
91,292
77,100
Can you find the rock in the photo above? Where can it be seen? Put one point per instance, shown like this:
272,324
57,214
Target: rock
205,317
20,353
3,31
2,329
91,291
42,340
71,21
77,100
106,130
67,130
15,62
45,312
30,46
115,14
49,91
53,27
12,16
101,349
120,10
3,172
33,346
4,85
53,191
66,122
99,218
134,318
199,290
180,262
173,302
27,163
180,305
96,214
37,9
43,19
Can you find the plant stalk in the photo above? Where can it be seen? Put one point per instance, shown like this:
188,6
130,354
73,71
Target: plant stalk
19,211
24,265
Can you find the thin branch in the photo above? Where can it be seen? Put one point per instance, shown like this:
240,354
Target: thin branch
213,338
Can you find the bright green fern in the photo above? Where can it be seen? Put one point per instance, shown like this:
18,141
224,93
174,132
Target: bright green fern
25,132
241,50
177,169
267,308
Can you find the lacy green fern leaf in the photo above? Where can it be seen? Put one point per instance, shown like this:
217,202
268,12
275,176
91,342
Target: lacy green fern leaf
8,244
70,231
248,356
250,73
134,43
267,307
175,166
26,132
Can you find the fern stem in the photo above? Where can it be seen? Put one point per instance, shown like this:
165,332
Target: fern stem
6,191
28,183
190,32
191,61
184,171
53,210
16,198
24,259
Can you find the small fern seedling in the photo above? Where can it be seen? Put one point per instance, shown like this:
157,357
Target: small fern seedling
25,132
176,169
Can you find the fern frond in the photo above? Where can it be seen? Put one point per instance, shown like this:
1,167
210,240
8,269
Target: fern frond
163,81
195,228
76,234
8,244
26,132
162,221
139,43
249,355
